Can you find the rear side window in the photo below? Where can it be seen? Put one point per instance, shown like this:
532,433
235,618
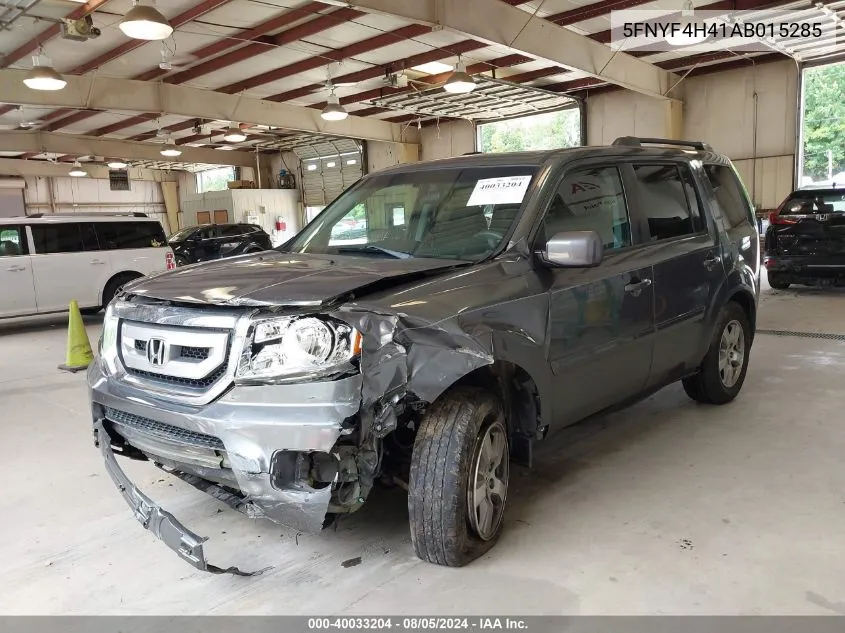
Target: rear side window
13,241
121,235
590,200
69,237
663,195
231,230
730,198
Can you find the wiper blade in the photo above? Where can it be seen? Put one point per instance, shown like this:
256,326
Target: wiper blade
371,248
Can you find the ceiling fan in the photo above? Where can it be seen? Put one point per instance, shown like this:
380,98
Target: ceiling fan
170,60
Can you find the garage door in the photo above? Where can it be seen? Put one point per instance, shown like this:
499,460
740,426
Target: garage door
328,168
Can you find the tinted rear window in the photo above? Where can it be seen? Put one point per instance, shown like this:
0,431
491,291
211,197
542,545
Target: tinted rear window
810,202
67,237
730,198
120,235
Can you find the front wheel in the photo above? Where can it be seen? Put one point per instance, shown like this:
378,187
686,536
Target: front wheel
723,369
459,478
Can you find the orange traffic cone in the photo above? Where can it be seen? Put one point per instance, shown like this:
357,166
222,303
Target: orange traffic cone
79,354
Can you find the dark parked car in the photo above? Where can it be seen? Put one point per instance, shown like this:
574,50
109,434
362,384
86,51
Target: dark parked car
494,297
215,241
805,241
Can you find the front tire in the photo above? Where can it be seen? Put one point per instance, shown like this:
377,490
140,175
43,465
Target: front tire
459,478
723,369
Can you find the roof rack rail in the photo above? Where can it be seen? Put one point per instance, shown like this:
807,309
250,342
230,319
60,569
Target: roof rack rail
131,214
635,141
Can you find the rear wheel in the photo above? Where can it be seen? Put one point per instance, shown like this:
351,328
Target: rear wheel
777,282
723,369
459,478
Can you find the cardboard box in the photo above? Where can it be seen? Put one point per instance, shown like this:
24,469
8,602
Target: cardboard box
241,184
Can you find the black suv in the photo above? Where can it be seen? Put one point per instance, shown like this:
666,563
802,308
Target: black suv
205,242
486,300
805,240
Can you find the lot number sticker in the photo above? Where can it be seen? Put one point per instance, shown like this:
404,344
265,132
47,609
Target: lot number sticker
507,190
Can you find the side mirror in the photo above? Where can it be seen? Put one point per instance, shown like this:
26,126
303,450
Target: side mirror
574,249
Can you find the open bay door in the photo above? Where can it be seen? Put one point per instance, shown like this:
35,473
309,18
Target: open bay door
328,168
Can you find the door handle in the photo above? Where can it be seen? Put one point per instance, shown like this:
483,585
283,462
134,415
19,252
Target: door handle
712,263
16,269
97,262
636,287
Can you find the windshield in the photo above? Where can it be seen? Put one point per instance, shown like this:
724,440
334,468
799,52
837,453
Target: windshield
812,202
442,214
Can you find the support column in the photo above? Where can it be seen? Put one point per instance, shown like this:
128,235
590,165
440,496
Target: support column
170,195
673,119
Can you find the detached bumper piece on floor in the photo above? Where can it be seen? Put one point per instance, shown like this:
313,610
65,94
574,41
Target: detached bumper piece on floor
187,545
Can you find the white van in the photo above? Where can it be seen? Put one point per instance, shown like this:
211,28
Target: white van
47,261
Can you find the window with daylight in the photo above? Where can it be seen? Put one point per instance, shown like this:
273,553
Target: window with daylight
552,130
215,179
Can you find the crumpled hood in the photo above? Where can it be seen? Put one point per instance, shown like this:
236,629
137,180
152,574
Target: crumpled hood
274,278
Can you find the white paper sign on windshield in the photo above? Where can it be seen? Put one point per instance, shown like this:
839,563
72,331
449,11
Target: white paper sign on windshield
505,190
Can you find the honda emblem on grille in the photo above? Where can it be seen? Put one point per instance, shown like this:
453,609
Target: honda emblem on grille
156,352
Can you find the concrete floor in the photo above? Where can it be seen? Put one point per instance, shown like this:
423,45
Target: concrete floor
668,508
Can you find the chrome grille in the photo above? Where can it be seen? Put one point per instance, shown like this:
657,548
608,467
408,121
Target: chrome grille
163,431
194,383
198,353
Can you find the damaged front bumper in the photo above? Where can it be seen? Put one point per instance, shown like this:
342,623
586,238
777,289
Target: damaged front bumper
246,448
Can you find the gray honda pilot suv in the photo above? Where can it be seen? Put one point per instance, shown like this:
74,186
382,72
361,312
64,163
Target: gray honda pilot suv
427,329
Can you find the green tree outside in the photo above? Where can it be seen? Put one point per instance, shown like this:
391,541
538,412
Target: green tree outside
552,130
824,120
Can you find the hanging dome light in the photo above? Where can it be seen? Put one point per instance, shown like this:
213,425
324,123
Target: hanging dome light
333,110
76,170
690,30
116,164
170,148
459,82
234,134
145,23
43,76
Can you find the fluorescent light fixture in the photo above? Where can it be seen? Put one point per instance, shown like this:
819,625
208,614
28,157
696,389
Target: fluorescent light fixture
333,110
170,148
145,23
116,164
234,134
460,82
433,68
331,164
225,148
312,167
43,76
352,161
76,170
335,3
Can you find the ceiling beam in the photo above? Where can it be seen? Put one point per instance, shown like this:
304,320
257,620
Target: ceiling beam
107,93
176,21
74,145
18,167
505,25
49,33
245,52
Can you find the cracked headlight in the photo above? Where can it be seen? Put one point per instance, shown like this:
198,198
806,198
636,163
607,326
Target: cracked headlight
295,347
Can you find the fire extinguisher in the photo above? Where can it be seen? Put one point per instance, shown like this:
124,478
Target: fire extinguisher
280,225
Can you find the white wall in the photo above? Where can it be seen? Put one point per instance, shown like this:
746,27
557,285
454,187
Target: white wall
449,139
382,154
623,113
93,195
268,205
719,110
